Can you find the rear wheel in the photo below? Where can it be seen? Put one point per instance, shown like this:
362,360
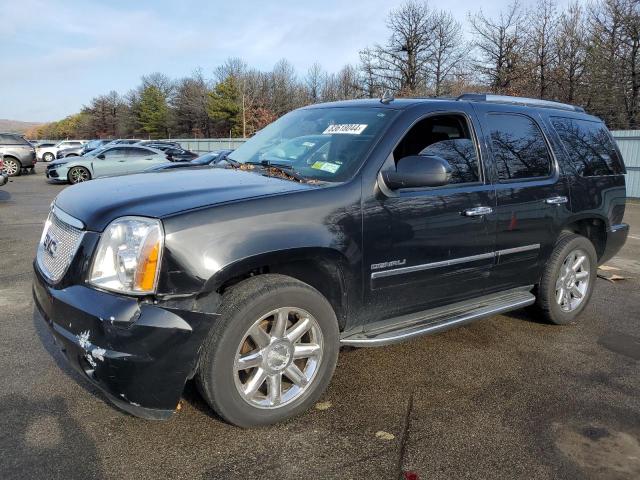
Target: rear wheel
78,175
271,354
568,279
12,167
48,157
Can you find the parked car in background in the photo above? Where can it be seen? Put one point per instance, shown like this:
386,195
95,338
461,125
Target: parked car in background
208,159
110,160
70,152
92,145
178,154
4,178
18,154
43,144
424,215
123,141
159,144
48,154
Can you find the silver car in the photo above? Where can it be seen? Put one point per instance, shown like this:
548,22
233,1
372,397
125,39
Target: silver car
104,162
18,154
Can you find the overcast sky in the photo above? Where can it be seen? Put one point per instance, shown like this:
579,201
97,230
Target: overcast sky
56,55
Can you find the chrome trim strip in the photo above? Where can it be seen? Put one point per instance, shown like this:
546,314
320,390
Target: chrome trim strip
524,248
428,266
66,218
454,261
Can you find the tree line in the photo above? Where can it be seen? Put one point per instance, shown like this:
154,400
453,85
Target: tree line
586,55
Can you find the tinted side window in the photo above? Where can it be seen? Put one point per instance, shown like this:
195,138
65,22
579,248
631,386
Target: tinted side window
518,147
589,146
12,140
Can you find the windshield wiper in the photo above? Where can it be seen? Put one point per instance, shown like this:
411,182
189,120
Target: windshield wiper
286,171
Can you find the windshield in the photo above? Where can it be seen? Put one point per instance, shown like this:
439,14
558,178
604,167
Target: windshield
327,144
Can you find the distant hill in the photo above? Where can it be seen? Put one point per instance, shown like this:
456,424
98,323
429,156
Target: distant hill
16,126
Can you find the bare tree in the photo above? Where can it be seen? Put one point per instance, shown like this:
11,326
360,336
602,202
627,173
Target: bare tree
499,44
447,51
313,82
541,29
400,64
570,47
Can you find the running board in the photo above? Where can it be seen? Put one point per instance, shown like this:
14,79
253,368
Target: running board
405,327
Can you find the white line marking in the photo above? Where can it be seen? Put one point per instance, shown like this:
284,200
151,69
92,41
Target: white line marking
635,237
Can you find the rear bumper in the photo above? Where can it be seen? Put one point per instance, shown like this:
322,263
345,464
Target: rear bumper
140,355
616,237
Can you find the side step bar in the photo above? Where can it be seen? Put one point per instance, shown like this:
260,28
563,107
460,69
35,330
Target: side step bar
405,327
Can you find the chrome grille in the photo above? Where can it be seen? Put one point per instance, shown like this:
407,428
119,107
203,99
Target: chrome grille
58,246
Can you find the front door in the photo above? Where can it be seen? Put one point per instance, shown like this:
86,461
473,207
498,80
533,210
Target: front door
430,246
532,195
113,163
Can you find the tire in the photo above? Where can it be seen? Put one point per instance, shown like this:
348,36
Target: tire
48,157
12,167
78,175
249,305
557,281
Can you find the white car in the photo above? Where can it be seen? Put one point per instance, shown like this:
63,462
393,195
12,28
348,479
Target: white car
48,154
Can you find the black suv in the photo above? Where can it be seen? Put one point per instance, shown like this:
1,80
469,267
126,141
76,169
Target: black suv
358,223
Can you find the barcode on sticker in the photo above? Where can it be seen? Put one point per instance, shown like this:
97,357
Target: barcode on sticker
345,128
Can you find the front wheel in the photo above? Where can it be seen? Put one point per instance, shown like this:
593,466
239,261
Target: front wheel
272,353
78,174
568,279
48,157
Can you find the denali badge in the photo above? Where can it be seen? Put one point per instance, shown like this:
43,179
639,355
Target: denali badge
392,263
50,245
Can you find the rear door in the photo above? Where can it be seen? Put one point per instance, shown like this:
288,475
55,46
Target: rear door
141,158
532,193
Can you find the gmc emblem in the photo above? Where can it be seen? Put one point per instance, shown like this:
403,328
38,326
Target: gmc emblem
50,245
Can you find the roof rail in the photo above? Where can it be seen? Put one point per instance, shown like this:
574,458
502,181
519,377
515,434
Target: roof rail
530,102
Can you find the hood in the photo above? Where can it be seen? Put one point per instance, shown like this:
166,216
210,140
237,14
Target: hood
100,201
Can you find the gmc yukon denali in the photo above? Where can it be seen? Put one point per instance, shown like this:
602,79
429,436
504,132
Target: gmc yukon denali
358,223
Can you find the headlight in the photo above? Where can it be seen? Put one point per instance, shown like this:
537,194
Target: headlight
128,256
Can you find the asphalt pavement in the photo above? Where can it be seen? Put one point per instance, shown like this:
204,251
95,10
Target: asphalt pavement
506,397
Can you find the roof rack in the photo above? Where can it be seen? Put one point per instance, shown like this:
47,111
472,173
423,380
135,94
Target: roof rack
530,102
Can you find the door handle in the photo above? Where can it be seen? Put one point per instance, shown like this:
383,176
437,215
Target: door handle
477,211
556,200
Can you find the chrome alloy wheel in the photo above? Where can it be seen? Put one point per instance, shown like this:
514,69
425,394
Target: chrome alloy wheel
573,280
11,167
278,358
78,174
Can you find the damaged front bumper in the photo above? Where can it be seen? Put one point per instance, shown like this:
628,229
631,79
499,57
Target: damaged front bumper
139,354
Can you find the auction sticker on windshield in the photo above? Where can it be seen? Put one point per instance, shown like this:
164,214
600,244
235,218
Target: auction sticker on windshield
326,166
345,128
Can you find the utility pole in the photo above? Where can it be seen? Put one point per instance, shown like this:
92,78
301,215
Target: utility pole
244,117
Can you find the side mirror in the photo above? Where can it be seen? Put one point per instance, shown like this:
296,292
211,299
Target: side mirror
417,171
101,156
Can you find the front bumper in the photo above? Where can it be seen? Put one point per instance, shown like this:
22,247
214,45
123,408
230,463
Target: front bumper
616,237
139,354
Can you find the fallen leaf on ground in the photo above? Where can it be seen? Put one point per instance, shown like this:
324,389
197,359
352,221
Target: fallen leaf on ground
382,435
607,268
613,278
323,405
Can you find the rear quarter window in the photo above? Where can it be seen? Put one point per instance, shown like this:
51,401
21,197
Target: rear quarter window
589,145
12,140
